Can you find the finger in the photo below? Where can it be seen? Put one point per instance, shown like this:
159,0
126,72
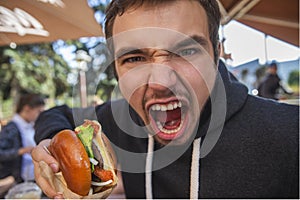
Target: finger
46,187
40,154
42,182
59,196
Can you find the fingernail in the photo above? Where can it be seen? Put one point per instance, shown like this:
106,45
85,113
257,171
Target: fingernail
59,196
54,167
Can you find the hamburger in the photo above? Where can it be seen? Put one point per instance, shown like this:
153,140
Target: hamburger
86,159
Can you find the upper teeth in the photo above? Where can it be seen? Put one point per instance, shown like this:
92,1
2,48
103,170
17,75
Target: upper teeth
169,106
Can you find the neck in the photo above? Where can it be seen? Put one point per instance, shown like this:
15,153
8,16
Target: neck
23,116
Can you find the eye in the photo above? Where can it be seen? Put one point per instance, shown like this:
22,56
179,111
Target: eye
187,52
134,59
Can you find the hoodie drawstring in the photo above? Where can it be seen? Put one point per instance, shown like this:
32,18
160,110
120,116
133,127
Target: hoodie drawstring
195,166
148,172
194,172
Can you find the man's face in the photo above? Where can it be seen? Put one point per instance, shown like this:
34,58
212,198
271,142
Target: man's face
164,60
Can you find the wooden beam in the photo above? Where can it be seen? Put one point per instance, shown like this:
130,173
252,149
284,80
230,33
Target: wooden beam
245,9
222,9
232,12
272,21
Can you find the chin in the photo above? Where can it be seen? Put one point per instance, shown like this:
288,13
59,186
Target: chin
174,142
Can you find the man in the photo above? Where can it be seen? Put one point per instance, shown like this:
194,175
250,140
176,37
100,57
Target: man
271,84
191,130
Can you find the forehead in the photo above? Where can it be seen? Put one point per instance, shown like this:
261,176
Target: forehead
181,18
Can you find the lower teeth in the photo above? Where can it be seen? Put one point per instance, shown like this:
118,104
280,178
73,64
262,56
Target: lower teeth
162,129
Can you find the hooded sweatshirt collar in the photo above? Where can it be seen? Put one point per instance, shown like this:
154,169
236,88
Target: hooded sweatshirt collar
227,98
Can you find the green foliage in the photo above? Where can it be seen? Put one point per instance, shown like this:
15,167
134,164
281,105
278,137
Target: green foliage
7,109
293,79
32,68
40,68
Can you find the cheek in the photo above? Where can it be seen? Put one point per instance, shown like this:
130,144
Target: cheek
202,91
32,116
200,77
35,113
199,87
132,86
136,100
132,80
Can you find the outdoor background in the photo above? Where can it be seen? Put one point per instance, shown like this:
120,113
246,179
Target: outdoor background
53,69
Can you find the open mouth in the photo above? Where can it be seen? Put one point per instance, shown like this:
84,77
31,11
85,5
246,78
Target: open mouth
167,119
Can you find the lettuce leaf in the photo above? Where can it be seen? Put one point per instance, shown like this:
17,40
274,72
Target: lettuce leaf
85,134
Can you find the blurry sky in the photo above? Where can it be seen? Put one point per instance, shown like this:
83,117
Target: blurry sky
246,44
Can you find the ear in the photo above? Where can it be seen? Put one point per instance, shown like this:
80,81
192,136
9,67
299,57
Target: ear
219,49
219,53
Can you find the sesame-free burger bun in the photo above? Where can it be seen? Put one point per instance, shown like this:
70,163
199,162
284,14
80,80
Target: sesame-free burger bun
73,161
85,158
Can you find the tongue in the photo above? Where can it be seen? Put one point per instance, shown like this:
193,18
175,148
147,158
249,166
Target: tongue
171,118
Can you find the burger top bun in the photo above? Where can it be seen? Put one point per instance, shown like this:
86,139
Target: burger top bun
73,161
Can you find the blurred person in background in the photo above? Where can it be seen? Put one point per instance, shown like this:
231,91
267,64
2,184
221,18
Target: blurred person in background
17,139
271,84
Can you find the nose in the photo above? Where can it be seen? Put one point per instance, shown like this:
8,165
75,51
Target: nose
162,77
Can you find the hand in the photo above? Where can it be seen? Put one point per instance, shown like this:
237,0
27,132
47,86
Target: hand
40,154
24,150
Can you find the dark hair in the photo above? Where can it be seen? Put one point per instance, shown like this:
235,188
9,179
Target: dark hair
273,64
32,100
118,7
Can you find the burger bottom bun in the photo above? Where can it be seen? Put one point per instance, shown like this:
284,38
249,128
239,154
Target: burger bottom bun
57,181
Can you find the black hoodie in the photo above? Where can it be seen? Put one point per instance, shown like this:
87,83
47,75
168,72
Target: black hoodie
249,147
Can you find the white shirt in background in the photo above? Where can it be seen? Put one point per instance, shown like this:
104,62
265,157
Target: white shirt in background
27,134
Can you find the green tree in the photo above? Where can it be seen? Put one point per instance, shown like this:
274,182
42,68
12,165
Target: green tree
100,77
32,68
40,67
293,79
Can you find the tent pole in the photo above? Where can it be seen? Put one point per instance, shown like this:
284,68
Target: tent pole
266,48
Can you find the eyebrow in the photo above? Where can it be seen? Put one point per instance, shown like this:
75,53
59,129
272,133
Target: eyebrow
125,51
195,39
